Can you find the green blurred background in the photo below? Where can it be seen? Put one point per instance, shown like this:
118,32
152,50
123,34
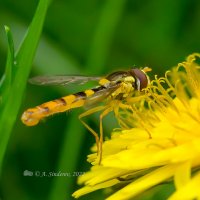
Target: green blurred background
91,37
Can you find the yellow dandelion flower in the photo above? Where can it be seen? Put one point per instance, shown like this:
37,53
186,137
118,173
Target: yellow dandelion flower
164,144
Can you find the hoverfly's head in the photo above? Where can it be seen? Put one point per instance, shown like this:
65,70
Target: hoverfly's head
141,78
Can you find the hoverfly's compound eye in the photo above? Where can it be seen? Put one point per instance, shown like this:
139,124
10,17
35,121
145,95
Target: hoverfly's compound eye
141,80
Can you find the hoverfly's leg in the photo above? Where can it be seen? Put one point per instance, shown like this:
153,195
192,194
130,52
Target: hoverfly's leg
121,120
125,106
102,115
133,100
87,113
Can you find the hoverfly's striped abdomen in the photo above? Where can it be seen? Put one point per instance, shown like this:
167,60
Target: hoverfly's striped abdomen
32,116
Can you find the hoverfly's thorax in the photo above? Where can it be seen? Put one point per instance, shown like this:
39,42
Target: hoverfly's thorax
141,79
117,76
129,79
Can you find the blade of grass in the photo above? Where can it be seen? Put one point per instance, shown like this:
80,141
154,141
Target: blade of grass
5,83
20,72
103,34
109,18
10,59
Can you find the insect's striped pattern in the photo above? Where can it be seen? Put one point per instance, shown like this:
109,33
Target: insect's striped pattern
32,116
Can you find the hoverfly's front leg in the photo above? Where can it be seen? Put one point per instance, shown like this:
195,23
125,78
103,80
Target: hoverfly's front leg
87,113
103,114
120,119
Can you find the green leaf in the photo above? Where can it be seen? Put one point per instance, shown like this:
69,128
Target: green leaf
16,74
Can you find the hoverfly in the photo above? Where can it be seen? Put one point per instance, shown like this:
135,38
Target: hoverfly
113,89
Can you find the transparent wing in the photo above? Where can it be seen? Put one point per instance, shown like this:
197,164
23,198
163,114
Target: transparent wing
62,80
100,95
